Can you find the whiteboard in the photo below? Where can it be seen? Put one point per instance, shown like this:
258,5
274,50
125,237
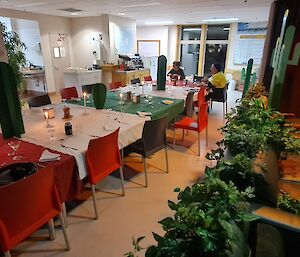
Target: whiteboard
248,48
148,48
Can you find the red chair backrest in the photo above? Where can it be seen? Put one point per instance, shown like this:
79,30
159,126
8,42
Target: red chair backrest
114,85
202,116
25,206
103,157
148,78
68,93
201,96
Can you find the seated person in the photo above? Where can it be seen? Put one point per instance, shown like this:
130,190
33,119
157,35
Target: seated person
176,73
216,82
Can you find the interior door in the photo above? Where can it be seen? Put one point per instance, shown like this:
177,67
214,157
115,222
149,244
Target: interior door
60,57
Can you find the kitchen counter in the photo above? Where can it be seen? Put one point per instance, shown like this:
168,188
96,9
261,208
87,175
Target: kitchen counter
125,77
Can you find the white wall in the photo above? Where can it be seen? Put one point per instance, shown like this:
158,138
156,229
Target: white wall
48,24
29,33
83,30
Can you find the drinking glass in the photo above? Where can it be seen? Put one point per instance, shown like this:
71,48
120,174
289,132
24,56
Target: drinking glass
15,145
52,135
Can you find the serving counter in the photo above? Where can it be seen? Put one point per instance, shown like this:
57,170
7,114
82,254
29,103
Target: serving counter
125,77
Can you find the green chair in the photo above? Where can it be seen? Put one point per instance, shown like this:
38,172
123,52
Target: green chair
99,95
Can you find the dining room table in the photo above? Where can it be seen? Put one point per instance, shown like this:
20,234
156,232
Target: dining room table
87,123
66,174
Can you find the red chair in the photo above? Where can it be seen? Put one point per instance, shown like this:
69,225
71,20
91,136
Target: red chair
195,125
148,78
68,93
115,85
27,205
103,158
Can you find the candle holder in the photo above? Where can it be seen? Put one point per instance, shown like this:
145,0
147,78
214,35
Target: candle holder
46,115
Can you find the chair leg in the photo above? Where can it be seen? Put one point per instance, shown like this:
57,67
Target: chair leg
206,133
51,230
64,210
223,109
94,201
174,138
64,229
122,180
122,158
167,162
182,135
145,170
7,254
198,143
226,106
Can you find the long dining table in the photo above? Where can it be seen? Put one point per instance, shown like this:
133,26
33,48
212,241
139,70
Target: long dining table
87,123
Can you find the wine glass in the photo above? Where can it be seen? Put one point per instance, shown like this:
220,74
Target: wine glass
15,145
52,135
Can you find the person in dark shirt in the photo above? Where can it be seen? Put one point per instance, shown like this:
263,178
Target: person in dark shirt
176,73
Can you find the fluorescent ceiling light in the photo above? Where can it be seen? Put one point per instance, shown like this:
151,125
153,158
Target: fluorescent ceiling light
30,5
158,22
191,29
74,13
121,13
139,5
226,29
221,20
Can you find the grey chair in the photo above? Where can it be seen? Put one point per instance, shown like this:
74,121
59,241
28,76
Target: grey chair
40,100
220,95
153,139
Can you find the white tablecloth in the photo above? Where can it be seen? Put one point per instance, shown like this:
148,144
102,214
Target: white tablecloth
85,127
175,92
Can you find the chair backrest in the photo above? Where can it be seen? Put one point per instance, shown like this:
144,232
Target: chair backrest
189,104
201,96
154,135
103,157
148,78
25,206
202,117
114,85
68,93
87,88
135,81
40,100
220,94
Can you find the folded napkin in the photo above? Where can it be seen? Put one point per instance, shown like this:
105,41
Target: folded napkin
110,127
143,114
47,156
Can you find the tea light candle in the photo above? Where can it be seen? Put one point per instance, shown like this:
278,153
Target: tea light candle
46,114
121,97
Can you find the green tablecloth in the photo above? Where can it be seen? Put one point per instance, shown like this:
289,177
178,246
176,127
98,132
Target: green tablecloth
157,108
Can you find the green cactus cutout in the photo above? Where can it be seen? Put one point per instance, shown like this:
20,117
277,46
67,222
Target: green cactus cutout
161,72
99,95
10,110
248,76
279,64
253,79
243,74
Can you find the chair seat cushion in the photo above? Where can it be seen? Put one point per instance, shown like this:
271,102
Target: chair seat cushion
187,123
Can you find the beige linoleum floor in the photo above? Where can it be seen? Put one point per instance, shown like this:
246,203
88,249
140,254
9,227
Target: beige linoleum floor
137,213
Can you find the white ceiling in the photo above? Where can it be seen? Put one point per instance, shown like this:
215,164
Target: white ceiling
176,11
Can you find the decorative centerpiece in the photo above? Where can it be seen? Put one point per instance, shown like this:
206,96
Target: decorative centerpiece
67,114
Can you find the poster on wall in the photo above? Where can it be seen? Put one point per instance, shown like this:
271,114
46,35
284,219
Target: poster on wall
124,38
252,28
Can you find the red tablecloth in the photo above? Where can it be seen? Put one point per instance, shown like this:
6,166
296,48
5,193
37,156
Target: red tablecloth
66,174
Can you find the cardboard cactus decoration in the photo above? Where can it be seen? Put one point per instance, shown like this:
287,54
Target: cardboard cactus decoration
161,72
10,109
248,76
280,60
99,95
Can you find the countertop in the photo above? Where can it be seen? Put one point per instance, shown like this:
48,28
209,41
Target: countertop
129,71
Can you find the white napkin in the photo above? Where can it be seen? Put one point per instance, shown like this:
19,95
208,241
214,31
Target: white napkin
47,156
110,127
143,114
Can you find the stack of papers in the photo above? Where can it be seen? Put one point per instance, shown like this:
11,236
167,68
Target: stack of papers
47,156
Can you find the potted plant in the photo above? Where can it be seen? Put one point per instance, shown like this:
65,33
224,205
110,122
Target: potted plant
15,53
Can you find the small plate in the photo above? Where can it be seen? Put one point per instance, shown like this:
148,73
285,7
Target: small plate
14,172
